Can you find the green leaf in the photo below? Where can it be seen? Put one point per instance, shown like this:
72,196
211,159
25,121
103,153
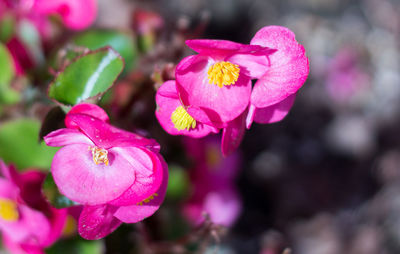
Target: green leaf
178,183
7,26
123,42
53,195
7,70
19,145
77,245
88,76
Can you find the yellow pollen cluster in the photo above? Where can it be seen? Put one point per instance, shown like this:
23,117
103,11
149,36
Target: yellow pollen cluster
182,120
147,200
99,155
223,73
8,210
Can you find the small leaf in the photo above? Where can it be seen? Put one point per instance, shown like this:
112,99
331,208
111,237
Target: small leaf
88,76
7,70
178,183
123,42
53,195
19,145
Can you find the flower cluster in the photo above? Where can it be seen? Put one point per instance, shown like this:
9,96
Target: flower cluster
116,175
213,90
27,222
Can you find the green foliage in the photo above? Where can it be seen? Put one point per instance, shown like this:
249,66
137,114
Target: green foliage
123,42
178,183
19,145
77,245
90,75
7,71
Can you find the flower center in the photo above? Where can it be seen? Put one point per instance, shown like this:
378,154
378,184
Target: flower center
8,210
182,120
223,73
99,155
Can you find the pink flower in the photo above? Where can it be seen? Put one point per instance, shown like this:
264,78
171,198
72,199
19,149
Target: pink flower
117,175
218,79
27,222
213,179
214,87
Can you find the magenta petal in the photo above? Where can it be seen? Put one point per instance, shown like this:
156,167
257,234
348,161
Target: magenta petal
107,136
58,219
135,213
232,135
221,104
288,66
223,48
167,100
63,137
81,180
253,65
32,225
76,14
86,109
145,184
274,113
96,222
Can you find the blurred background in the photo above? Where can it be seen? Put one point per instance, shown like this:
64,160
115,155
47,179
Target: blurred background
325,180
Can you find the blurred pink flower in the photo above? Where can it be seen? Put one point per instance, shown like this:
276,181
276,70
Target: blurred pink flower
27,222
213,179
34,14
345,75
118,176
75,14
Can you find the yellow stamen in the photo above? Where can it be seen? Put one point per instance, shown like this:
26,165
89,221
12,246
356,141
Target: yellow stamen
147,200
99,155
182,120
223,73
8,210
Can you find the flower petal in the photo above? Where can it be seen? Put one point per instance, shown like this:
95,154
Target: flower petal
167,100
147,181
288,66
274,113
221,104
223,48
135,213
253,65
63,137
96,222
81,180
107,136
86,109
76,14
32,226
232,135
